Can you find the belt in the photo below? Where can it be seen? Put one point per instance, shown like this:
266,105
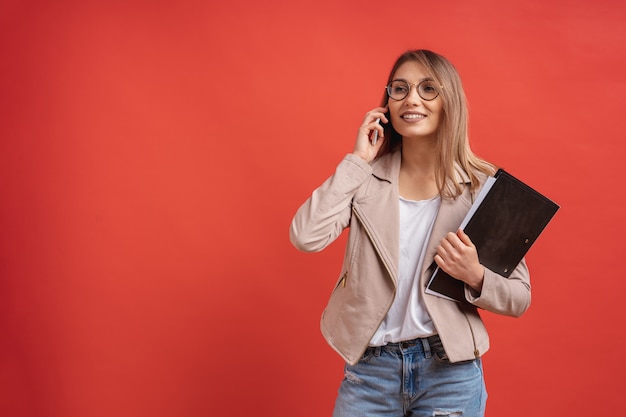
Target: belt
409,343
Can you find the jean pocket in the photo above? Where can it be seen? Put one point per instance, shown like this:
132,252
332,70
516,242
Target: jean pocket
367,355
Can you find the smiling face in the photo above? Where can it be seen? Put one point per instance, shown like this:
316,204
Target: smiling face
414,117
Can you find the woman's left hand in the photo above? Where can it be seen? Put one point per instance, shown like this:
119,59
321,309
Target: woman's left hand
458,257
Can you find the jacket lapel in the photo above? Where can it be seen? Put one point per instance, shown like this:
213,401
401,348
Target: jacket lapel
451,214
382,219
378,209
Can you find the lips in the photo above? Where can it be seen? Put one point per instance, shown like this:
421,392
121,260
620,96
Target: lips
412,116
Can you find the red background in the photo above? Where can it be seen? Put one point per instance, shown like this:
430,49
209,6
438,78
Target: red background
152,155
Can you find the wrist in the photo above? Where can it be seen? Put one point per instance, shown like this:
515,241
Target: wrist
477,283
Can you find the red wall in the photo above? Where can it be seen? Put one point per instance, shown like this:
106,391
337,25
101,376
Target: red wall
152,155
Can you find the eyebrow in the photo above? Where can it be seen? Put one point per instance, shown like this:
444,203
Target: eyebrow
406,81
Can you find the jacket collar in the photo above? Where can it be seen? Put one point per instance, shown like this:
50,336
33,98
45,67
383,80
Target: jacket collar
387,168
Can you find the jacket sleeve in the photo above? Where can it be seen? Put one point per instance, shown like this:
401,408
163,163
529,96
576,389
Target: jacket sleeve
507,296
322,218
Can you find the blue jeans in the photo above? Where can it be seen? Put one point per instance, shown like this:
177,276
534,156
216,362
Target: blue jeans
411,379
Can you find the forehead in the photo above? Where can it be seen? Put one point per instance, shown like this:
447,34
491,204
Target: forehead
411,71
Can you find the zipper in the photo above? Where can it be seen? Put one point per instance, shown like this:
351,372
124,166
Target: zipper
476,351
342,280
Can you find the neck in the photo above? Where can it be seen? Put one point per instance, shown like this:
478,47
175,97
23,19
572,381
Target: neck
419,156
417,170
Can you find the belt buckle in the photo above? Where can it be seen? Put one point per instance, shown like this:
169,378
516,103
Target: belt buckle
408,343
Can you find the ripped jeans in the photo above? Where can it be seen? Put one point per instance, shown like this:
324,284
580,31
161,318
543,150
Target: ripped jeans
411,379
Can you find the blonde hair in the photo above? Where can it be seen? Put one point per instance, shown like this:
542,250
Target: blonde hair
452,135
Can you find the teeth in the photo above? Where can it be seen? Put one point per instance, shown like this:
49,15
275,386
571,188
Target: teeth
413,116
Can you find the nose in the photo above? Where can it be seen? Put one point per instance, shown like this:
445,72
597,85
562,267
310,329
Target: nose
413,97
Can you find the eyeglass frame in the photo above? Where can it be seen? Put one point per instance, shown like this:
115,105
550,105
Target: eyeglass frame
388,86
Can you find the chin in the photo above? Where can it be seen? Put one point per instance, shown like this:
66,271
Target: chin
418,135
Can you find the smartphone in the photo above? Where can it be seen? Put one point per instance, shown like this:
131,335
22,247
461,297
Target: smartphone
375,135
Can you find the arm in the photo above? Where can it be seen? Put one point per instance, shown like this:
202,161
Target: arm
322,218
508,296
486,289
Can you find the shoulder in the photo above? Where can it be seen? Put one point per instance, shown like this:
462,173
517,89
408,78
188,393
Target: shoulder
480,176
468,178
473,173
387,167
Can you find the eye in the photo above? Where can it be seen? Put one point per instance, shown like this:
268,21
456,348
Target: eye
428,87
399,87
428,90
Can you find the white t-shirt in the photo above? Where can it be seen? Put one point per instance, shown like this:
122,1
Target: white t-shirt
407,318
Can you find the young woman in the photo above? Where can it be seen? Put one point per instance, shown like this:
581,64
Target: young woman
403,197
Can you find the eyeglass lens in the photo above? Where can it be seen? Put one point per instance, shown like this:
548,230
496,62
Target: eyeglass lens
399,89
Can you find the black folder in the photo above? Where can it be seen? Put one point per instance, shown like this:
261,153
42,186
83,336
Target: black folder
505,220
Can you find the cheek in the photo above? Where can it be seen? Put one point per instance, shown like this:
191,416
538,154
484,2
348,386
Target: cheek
436,107
394,118
395,122
394,114
436,112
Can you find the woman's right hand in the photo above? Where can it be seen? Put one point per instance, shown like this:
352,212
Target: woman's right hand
364,148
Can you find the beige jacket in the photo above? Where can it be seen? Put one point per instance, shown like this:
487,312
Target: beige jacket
364,197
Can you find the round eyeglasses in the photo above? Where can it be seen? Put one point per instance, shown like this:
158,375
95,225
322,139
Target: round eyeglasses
427,89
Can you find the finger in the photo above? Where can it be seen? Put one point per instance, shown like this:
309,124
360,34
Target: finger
377,113
453,240
380,111
463,237
370,123
439,261
444,250
372,115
